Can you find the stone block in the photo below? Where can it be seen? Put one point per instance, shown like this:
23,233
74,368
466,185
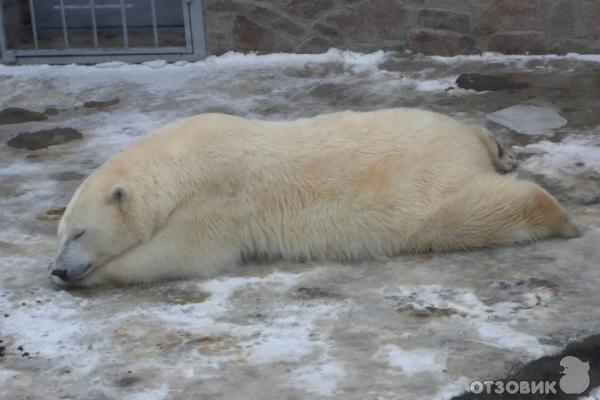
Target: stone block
499,16
592,18
517,43
308,9
250,36
561,19
435,43
446,20
371,21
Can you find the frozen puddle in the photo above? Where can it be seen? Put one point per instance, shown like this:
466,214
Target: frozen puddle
527,119
412,327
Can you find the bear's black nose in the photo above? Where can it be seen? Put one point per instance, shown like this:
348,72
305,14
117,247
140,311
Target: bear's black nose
61,273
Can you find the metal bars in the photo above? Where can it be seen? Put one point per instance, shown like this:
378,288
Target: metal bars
154,25
63,17
124,24
33,25
94,24
191,14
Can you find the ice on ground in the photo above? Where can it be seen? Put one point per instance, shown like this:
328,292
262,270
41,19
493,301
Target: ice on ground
414,361
503,58
528,119
157,64
569,156
411,327
321,379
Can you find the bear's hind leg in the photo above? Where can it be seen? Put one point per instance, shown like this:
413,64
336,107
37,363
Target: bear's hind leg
493,210
502,159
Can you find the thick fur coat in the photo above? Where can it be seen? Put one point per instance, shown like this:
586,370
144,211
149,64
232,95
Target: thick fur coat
198,196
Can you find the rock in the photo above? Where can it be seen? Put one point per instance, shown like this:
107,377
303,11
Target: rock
528,119
445,20
252,36
326,31
53,214
42,139
51,111
314,45
592,16
517,43
222,6
480,83
102,103
549,369
434,43
562,19
15,115
308,9
371,21
511,15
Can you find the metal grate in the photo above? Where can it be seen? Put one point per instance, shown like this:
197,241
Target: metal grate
61,30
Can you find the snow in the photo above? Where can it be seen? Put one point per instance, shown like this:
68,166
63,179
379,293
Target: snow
415,361
555,159
503,336
489,57
321,378
483,318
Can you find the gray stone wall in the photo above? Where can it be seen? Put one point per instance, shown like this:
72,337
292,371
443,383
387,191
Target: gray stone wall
442,27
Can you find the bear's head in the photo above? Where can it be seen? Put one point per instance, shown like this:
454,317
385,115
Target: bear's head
96,227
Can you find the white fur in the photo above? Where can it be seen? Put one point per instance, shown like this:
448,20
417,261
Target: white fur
210,190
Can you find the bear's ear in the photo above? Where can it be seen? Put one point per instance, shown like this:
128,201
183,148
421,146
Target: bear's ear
120,195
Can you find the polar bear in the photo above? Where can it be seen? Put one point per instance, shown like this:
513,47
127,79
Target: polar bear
200,195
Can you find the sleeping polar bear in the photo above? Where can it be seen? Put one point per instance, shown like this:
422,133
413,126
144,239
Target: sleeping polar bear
200,195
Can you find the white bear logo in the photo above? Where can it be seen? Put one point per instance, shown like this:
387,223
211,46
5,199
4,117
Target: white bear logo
576,379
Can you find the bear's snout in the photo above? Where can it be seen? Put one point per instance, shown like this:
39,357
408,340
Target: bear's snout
60,273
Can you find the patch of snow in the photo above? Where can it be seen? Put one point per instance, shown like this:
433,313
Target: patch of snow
50,326
554,159
288,337
528,119
160,393
480,321
155,64
110,64
415,361
319,378
504,337
498,57
453,389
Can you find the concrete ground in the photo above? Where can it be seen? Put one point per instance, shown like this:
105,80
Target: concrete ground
411,327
